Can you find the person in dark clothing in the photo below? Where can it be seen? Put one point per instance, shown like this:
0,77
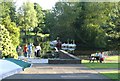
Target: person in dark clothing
35,51
91,58
59,45
25,50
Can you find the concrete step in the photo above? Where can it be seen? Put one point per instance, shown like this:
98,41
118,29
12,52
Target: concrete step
42,61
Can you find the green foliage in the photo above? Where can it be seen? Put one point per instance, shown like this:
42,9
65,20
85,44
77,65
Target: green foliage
39,14
10,33
112,27
45,47
60,20
27,18
12,29
90,24
31,21
7,47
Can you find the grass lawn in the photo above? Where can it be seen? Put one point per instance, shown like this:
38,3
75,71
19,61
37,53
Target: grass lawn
101,65
113,58
107,64
111,74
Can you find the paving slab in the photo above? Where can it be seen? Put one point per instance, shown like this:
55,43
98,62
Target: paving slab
58,71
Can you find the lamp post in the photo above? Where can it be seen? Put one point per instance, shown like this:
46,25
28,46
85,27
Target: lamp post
25,30
35,29
35,4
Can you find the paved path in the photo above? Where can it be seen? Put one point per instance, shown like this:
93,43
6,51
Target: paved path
58,71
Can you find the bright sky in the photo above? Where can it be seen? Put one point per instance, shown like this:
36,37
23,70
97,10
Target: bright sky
45,4
48,4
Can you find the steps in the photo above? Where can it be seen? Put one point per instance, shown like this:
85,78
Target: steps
41,61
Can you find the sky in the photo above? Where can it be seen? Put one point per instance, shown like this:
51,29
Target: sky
48,4
45,4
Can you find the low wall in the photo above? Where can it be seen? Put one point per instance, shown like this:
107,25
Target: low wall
64,61
65,58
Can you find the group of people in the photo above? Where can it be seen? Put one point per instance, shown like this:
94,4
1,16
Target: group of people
98,57
27,50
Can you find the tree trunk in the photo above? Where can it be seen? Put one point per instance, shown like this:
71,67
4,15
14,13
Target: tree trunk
25,35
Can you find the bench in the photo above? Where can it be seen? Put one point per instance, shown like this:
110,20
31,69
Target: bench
93,58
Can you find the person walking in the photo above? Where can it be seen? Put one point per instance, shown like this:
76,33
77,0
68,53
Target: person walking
29,50
38,49
35,51
59,44
97,56
25,50
19,51
101,57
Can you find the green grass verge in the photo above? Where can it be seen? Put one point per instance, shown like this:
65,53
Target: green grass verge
114,58
106,64
112,75
101,65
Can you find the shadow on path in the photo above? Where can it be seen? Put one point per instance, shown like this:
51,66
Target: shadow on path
58,71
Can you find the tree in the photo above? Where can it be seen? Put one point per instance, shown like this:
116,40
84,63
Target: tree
27,17
13,30
83,22
50,23
7,22
88,24
10,33
40,18
60,20
39,14
112,27
6,45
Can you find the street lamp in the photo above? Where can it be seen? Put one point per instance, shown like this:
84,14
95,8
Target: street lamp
35,4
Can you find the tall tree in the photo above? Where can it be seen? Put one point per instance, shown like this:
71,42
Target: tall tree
9,23
88,24
27,17
39,14
6,46
10,33
112,27
60,20
40,18
83,22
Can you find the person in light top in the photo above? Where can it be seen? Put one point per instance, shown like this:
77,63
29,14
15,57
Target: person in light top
97,56
101,56
38,49
29,50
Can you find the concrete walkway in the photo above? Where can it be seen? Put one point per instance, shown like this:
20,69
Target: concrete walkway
58,71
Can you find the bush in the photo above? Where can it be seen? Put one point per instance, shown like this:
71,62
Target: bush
7,48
